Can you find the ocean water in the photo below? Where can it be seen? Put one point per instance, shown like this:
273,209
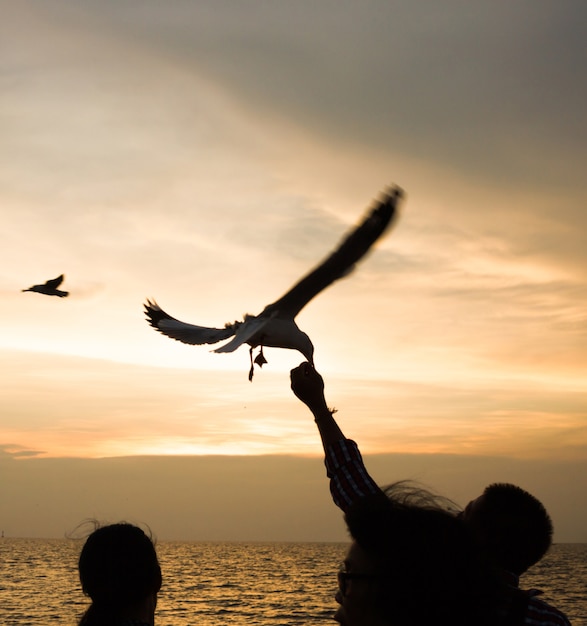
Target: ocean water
240,584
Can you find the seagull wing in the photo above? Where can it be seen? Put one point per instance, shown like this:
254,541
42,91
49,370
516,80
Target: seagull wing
246,330
54,282
342,261
186,333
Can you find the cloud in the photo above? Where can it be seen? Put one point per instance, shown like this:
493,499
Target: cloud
15,451
421,79
91,408
209,155
459,86
195,498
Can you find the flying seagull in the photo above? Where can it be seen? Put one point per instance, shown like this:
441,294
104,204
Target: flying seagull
275,326
50,288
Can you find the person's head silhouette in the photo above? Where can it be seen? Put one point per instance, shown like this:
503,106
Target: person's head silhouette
511,525
120,572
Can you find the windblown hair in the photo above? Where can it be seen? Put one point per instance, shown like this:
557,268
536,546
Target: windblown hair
118,568
517,527
431,571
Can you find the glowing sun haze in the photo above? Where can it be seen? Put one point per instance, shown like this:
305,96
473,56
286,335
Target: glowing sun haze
208,155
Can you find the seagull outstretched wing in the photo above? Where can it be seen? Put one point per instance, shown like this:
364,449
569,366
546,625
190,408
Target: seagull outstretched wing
55,282
342,261
181,331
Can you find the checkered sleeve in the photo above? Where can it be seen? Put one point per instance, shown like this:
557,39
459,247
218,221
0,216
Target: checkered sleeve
542,614
349,479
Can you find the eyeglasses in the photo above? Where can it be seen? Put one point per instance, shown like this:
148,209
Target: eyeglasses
344,577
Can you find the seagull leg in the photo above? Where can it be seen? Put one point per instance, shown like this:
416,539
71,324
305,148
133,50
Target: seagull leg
252,370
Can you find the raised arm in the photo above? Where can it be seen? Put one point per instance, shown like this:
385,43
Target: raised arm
349,479
308,386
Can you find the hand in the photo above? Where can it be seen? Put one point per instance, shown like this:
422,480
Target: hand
308,386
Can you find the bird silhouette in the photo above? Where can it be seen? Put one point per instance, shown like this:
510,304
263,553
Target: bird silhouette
275,326
50,288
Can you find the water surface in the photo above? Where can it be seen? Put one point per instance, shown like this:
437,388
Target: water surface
239,584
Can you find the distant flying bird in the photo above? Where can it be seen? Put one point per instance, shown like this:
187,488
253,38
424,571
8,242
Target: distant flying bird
50,288
275,326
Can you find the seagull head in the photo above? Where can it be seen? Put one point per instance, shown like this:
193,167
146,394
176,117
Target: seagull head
305,346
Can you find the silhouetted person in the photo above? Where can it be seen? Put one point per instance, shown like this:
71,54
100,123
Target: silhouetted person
509,526
412,562
120,572
50,288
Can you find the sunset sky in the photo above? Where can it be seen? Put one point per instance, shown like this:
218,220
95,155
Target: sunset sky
207,155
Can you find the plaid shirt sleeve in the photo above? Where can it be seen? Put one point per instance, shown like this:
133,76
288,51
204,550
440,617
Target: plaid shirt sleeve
524,606
540,613
349,479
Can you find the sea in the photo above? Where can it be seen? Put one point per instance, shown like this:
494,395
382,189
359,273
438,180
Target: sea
238,584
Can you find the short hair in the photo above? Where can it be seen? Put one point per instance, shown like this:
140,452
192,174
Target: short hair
431,570
516,526
118,567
